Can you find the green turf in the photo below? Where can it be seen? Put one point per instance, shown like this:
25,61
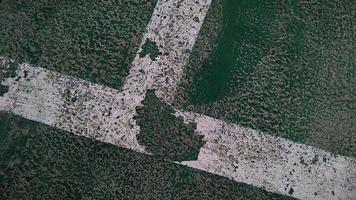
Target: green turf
39,162
284,67
3,89
165,135
93,40
150,47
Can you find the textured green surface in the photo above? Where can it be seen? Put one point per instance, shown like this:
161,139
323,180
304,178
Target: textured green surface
39,162
3,89
165,135
93,40
284,67
150,47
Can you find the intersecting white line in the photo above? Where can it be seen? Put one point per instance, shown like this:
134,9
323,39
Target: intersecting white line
232,151
174,26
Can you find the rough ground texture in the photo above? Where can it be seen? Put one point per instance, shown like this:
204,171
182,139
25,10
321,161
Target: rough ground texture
164,134
284,67
39,162
93,40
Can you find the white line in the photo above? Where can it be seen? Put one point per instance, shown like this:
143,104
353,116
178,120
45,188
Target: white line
239,153
174,26
71,104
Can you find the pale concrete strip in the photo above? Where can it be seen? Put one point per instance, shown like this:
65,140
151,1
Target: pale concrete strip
239,153
276,164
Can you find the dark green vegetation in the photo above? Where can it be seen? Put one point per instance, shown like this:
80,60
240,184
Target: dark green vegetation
150,47
39,162
3,89
284,67
165,135
93,40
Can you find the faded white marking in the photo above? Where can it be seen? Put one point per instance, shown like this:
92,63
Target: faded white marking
69,104
276,164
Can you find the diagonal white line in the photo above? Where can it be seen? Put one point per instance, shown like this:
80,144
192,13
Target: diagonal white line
239,153
232,151
276,164
174,26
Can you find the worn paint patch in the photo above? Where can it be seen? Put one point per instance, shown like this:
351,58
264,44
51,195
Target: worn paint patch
163,134
70,104
34,94
3,89
174,27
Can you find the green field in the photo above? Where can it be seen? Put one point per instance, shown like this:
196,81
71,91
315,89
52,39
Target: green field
283,67
93,40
